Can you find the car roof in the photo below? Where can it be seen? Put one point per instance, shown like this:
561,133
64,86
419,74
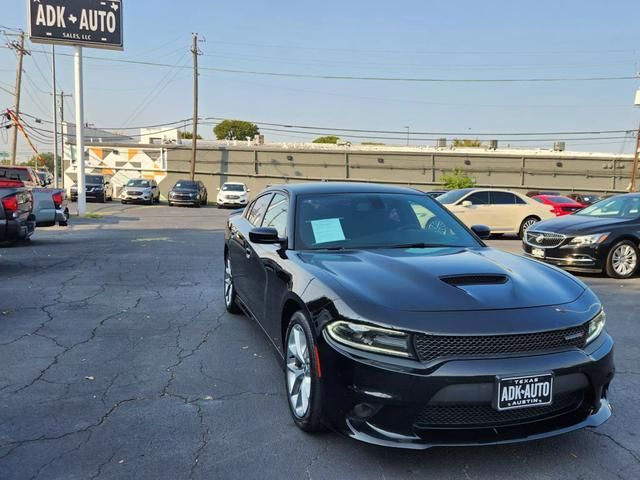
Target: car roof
340,187
233,183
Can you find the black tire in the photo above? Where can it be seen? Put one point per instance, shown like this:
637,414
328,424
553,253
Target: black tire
311,420
170,204
526,223
624,249
123,202
230,302
103,198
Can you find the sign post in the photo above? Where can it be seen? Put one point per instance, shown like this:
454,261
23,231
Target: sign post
79,23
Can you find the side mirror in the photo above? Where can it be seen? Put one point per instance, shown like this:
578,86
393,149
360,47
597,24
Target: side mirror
481,231
218,189
264,235
466,203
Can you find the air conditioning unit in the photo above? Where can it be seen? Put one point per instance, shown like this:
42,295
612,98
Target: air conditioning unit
559,146
441,143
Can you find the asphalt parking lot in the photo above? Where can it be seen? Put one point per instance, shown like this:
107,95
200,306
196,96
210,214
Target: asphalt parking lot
120,361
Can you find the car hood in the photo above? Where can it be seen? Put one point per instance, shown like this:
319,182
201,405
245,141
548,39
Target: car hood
412,279
577,224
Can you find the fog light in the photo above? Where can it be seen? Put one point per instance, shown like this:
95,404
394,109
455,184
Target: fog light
365,410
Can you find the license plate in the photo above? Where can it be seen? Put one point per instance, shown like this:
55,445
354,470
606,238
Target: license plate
527,391
537,252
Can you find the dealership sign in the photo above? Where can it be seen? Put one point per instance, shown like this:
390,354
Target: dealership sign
85,23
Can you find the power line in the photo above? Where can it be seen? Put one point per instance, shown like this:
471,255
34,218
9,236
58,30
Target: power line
367,78
177,122
466,134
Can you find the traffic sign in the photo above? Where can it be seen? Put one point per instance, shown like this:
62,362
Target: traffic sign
84,23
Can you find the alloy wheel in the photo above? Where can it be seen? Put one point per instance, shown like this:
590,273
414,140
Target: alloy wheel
228,284
624,260
528,224
298,371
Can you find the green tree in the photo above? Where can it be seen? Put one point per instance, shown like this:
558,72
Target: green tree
327,139
42,160
189,136
457,179
235,130
467,142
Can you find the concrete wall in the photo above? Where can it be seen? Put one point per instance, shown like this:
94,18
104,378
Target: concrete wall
259,166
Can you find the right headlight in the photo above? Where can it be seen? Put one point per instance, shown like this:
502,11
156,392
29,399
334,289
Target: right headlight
596,325
371,339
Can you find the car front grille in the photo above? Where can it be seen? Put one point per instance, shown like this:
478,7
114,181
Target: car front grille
476,415
544,239
182,197
232,197
134,193
431,347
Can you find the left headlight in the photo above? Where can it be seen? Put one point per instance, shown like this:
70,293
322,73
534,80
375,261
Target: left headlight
596,325
589,239
371,339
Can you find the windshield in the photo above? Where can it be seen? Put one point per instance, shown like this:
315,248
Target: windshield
138,183
230,187
453,196
93,179
188,184
376,220
622,206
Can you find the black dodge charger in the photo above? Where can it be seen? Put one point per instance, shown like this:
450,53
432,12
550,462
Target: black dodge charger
398,326
602,237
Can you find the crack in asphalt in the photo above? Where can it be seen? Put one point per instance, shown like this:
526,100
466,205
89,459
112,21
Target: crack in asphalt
635,455
315,459
203,441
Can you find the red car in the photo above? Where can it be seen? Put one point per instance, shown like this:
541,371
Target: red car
561,205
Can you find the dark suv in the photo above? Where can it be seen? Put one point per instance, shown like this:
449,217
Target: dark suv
97,187
188,192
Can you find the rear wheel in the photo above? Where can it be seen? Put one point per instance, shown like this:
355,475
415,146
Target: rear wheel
302,380
123,202
229,288
622,261
526,224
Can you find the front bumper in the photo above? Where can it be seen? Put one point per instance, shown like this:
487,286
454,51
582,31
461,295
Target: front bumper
145,197
184,201
396,397
231,202
579,258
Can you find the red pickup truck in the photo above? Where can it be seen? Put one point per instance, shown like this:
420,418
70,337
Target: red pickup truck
17,221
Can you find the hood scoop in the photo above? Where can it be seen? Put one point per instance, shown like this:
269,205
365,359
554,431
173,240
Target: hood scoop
474,279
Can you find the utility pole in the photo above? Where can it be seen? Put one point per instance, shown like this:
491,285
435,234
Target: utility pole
62,95
194,131
407,135
19,47
634,169
55,117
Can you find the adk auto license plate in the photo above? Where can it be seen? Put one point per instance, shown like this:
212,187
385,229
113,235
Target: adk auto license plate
528,391
537,252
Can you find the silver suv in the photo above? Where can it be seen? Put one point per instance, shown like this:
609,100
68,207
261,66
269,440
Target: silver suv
140,190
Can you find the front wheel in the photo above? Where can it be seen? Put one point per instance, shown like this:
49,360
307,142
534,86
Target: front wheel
302,375
526,224
622,261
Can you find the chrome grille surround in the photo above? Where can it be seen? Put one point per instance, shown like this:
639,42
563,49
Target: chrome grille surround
541,239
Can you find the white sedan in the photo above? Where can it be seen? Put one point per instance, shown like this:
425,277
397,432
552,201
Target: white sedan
503,211
233,194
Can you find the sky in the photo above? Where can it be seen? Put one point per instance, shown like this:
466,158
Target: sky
451,40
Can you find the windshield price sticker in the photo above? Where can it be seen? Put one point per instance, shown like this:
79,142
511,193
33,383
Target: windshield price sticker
327,230
90,23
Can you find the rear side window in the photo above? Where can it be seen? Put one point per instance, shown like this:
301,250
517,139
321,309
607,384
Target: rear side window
258,208
478,198
503,198
276,216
